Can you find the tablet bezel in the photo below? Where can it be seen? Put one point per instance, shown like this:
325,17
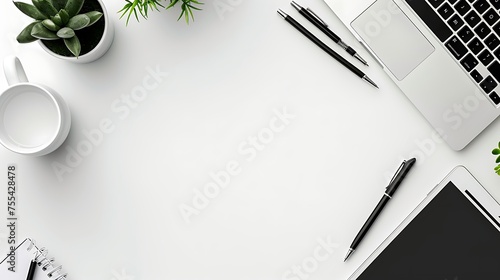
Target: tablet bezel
468,186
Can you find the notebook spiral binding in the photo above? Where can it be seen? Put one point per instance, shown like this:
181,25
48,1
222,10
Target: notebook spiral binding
46,263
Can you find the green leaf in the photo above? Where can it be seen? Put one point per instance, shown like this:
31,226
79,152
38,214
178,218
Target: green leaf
25,35
151,5
497,168
172,3
59,4
145,14
498,159
94,17
125,10
155,3
129,9
41,32
50,25
61,18
30,10
194,7
73,7
496,151
78,22
186,8
73,45
45,7
57,20
64,16
66,33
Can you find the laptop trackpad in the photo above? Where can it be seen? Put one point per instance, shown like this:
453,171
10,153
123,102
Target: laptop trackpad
392,37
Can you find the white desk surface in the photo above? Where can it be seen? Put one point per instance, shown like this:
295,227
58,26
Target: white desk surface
116,215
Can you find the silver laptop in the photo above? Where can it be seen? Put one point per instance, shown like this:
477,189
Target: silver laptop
443,54
453,234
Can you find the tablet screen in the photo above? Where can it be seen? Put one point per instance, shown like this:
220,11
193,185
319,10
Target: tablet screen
449,239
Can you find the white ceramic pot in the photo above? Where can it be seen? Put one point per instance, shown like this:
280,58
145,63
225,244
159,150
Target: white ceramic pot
99,50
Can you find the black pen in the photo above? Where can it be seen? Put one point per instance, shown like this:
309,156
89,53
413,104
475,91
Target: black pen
323,46
31,270
319,23
403,169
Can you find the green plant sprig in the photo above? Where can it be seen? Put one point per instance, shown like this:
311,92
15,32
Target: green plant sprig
142,7
496,152
56,20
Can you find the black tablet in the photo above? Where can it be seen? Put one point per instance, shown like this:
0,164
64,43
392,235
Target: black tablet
454,234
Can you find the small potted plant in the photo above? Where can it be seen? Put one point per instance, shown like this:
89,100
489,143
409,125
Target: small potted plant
73,30
496,152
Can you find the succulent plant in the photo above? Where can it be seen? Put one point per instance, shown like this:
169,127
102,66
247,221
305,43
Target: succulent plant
496,152
56,20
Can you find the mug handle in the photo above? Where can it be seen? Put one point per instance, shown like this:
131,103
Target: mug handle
14,71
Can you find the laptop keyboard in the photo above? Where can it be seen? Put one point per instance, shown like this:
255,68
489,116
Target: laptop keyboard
470,30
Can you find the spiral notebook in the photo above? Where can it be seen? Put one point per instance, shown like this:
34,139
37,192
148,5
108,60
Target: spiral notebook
17,268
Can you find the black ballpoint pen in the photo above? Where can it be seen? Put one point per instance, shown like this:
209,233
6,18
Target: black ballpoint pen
403,169
319,23
323,46
31,270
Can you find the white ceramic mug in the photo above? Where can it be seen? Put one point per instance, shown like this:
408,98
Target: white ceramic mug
34,119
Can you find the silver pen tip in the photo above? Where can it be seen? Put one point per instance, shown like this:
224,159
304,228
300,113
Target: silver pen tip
296,6
349,253
281,13
370,81
361,59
